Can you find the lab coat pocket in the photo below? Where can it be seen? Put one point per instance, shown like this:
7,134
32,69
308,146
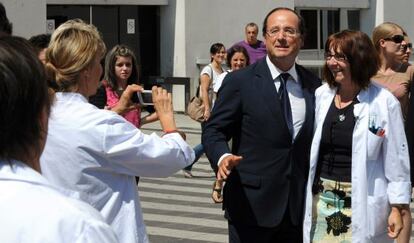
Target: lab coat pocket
374,145
378,211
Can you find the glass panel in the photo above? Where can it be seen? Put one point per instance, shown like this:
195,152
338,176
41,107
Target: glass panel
353,20
329,24
311,23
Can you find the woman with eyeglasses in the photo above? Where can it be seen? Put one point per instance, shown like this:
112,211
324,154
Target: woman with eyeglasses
359,166
397,76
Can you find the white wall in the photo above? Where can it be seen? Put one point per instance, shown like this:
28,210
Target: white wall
28,17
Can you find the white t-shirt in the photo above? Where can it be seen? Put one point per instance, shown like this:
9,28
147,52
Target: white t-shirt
209,70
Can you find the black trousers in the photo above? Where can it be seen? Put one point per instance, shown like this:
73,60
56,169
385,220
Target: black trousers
284,232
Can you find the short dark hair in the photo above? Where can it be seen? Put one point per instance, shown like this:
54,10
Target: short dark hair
40,42
6,28
235,49
216,47
360,52
110,60
23,97
302,28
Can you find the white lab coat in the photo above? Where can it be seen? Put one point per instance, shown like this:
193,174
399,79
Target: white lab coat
98,153
380,165
33,211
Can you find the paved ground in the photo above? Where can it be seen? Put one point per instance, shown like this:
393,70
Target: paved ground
177,209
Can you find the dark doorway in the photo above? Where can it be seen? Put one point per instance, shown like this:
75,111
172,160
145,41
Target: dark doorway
132,25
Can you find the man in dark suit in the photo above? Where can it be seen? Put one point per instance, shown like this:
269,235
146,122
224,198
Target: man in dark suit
268,111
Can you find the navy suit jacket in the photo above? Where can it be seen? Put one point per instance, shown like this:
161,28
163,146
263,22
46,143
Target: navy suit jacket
272,176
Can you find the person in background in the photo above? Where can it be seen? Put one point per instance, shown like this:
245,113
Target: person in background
40,43
32,210
96,152
208,77
359,177
255,48
6,28
397,76
408,49
121,70
267,110
236,59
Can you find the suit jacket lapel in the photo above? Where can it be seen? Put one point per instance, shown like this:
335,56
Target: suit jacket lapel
268,89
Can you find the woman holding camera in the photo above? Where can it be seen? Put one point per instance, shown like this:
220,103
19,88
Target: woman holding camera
96,152
121,70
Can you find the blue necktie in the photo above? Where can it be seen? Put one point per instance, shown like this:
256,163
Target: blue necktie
284,99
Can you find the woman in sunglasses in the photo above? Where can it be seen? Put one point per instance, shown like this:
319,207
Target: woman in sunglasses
397,76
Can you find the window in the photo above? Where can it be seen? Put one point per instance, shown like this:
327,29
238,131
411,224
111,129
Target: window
320,23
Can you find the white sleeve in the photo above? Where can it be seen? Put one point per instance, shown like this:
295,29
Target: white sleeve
396,158
207,70
129,151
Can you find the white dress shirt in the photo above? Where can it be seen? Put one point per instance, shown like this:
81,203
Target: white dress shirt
98,154
294,89
297,101
33,211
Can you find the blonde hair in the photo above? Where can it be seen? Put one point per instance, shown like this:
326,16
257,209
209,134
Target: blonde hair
73,47
384,30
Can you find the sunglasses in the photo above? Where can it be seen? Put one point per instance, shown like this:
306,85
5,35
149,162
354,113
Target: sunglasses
396,38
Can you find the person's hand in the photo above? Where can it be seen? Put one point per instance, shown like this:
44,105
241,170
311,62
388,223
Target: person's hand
226,165
164,108
206,114
395,223
124,104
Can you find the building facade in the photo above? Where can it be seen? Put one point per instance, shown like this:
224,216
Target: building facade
172,37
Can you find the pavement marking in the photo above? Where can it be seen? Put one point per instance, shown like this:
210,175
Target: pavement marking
174,197
191,181
186,234
174,188
222,224
180,208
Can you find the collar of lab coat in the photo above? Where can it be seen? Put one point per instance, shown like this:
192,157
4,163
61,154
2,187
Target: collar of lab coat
18,171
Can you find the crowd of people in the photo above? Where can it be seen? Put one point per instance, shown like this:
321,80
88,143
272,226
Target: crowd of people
296,158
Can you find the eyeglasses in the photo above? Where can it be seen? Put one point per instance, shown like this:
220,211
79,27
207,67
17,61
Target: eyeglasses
395,38
289,32
338,57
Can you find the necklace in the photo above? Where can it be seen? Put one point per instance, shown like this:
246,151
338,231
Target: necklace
341,115
341,112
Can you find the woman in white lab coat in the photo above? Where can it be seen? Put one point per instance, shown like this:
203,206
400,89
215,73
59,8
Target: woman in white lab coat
97,152
359,166
31,209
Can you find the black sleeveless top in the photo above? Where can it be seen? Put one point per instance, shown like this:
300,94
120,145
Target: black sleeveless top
335,152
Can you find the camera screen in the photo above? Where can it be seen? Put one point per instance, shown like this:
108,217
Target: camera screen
145,97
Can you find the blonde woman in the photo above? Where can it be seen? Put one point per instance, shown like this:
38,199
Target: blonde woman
397,76
97,153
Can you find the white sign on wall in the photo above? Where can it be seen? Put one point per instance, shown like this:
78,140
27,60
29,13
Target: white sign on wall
130,26
50,26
